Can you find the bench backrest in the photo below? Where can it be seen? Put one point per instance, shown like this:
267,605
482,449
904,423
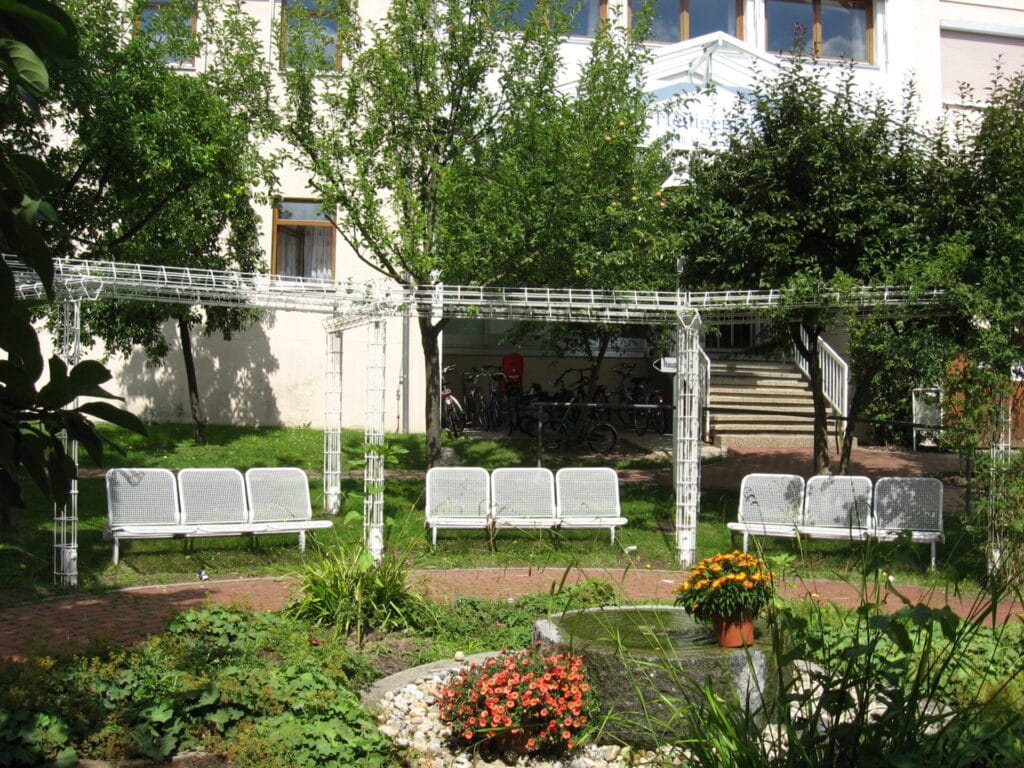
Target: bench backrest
212,496
454,492
771,499
523,492
143,496
908,504
277,494
589,492
837,501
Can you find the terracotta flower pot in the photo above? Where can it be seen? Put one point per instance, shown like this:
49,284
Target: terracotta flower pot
733,632
516,743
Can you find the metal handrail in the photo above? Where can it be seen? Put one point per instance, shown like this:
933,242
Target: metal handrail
835,372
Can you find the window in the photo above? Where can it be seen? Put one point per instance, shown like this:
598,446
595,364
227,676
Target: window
831,29
174,29
675,20
311,25
584,22
303,240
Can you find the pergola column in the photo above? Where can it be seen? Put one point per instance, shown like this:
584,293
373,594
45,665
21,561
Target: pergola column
332,422
373,471
686,435
65,518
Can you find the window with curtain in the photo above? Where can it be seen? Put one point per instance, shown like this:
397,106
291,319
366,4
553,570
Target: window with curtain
834,29
303,240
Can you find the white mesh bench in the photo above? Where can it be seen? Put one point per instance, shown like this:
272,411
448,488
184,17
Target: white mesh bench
841,507
908,505
588,497
770,505
457,497
523,498
837,507
146,503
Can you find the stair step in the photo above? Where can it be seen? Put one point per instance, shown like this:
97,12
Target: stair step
757,386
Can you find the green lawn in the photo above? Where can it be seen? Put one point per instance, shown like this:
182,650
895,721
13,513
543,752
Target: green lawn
26,563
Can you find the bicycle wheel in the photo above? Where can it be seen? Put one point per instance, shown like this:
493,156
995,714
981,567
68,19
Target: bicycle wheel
601,410
658,419
554,435
453,417
601,437
626,412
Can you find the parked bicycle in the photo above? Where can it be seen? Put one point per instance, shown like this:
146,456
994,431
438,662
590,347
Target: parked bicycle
473,397
453,416
569,429
638,405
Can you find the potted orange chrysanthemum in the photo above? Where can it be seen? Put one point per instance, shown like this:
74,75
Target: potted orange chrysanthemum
728,590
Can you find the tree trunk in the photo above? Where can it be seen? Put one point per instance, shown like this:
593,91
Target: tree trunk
822,458
429,335
195,404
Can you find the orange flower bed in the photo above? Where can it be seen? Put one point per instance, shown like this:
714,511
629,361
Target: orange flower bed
539,695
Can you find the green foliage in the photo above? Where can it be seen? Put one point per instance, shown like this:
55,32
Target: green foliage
474,625
819,188
34,420
868,687
346,589
251,685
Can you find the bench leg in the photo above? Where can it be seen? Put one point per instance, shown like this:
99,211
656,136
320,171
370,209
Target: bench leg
302,541
117,551
433,536
933,555
612,529
746,541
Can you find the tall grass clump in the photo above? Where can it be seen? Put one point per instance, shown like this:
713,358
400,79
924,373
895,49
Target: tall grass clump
345,588
875,687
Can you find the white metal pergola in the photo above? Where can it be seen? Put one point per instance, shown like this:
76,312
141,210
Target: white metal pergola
353,304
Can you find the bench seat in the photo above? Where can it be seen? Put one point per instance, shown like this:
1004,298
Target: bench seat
151,503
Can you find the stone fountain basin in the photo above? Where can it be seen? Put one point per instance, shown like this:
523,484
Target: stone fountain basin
649,664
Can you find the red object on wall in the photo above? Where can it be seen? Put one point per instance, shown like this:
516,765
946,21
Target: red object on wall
512,367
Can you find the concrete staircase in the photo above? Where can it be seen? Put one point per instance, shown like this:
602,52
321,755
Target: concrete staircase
778,393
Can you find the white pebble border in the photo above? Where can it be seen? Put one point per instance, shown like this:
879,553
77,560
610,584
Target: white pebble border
409,716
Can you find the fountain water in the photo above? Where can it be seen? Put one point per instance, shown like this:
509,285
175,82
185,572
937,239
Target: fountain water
648,663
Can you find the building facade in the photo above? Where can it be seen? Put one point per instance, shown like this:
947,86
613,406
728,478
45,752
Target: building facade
274,373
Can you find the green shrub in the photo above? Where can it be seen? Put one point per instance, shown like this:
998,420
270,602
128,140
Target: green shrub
346,589
217,677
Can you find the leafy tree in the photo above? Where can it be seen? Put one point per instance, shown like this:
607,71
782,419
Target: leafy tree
817,189
33,420
981,208
163,165
451,154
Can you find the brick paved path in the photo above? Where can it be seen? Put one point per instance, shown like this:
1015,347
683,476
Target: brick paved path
128,616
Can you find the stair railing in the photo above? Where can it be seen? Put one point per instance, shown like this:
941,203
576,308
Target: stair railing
704,377
835,372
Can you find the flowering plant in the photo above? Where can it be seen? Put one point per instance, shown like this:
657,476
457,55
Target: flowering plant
538,695
730,585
